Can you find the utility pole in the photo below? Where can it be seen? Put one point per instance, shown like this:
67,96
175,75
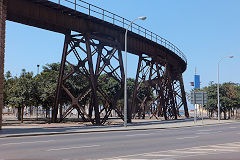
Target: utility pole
37,74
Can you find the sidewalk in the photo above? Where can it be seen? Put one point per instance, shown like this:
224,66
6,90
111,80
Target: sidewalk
66,128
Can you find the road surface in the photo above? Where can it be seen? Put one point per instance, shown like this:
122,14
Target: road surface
221,141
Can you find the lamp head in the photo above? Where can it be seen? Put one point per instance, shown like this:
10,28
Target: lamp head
230,56
142,18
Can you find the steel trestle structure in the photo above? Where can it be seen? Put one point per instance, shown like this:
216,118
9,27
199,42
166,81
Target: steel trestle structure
92,56
166,90
79,54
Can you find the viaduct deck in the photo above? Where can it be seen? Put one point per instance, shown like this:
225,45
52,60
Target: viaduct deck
54,17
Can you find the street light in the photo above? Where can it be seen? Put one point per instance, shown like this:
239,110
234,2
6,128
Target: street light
37,74
125,80
218,86
38,68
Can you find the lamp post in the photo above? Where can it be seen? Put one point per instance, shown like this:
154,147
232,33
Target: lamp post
38,68
37,74
218,86
125,80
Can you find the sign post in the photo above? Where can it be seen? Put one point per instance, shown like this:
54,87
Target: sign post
202,105
198,98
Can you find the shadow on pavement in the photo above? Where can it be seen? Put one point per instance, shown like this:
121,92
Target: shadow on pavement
61,129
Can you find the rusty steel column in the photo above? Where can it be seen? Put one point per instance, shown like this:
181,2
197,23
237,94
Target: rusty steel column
171,101
60,78
93,81
184,101
3,15
134,99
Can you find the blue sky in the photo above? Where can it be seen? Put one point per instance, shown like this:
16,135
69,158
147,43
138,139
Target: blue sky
205,30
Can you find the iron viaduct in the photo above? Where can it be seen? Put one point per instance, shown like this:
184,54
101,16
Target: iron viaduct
94,37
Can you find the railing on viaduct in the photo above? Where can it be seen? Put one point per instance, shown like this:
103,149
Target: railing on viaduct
110,17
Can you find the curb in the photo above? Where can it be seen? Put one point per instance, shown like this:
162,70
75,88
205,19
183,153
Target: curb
110,130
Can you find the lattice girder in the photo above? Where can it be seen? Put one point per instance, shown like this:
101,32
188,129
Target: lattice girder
167,93
92,58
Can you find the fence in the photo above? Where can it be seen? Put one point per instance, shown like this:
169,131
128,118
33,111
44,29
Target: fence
92,10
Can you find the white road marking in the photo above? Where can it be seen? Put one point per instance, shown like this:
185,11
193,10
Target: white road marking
232,127
233,144
26,142
212,149
204,133
209,132
204,130
187,137
143,134
186,152
227,147
158,155
67,148
136,159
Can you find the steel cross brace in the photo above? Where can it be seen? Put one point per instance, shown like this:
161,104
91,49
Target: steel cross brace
88,61
167,88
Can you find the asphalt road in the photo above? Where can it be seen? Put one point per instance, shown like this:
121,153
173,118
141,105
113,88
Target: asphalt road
220,141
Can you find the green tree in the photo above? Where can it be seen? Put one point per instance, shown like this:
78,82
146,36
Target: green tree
19,91
228,98
229,94
8,82
24,85
48,84
36,92
212,98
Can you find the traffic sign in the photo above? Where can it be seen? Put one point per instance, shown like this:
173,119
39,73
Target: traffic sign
198,97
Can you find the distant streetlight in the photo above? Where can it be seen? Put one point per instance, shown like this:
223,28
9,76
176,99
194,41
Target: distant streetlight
37,74
218,86
38,68
125,81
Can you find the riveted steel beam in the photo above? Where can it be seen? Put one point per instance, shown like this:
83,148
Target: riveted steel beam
89,61
166,94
